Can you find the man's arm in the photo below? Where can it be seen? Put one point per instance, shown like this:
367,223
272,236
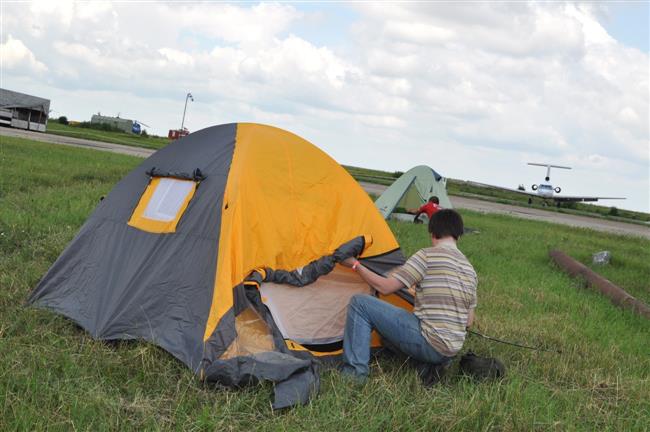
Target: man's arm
385,285
416,210
470,318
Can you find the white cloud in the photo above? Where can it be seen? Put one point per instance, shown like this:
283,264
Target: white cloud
257,24
16,57
175,56
413,82
418,33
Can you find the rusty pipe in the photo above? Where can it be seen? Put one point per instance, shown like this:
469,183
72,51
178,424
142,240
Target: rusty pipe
616,295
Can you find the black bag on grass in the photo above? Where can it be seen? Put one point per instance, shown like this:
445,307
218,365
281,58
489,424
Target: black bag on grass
481,367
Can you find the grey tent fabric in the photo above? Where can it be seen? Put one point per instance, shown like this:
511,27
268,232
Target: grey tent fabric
322,266
382,264
295,379
295,375
83,283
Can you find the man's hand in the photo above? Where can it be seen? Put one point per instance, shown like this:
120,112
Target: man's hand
470,318
348,262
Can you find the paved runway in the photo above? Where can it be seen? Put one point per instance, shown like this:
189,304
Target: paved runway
76,142
596,224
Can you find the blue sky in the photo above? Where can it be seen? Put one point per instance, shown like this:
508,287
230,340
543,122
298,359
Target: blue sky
327,24
629,23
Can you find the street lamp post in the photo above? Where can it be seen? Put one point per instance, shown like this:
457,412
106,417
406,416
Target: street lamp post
189,96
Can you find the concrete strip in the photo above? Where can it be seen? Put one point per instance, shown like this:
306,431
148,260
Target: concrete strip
76,142
553,217
481,206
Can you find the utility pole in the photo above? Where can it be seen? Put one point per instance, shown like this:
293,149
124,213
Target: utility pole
189,96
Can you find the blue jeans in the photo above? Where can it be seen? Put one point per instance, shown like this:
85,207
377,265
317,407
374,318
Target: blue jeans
400,327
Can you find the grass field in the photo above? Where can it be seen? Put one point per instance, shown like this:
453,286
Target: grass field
152,142
54,376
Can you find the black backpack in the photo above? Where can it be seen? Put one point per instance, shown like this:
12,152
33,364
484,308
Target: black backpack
481,367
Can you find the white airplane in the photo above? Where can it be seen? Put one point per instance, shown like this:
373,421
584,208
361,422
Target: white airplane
546,191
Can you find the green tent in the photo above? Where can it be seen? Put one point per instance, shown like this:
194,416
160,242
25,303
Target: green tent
412,190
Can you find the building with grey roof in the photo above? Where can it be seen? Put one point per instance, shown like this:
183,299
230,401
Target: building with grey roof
23,111
125,125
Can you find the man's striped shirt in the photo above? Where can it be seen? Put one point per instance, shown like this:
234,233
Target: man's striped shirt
445,291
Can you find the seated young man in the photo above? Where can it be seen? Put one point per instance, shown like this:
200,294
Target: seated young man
429,208
445,299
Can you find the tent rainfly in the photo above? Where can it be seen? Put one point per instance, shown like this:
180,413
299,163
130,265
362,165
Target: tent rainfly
413,189
222,248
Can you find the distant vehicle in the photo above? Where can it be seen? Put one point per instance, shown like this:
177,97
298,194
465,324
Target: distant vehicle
175,134
137,127
546,191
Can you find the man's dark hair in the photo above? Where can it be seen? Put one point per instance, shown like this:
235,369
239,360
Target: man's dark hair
434,199
446,222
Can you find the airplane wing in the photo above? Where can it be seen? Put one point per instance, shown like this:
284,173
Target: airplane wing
519,191
555,197
562,198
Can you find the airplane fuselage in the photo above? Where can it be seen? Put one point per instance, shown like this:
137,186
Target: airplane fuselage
545,190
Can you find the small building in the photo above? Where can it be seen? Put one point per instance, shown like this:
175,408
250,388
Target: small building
125,125
23,111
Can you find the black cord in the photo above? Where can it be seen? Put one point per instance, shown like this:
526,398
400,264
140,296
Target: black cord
513,343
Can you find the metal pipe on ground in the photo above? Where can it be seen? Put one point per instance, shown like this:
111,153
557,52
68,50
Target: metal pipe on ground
617,295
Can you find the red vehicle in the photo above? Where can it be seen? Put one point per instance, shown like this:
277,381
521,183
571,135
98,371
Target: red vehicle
175,134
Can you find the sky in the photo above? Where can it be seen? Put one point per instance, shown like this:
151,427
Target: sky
473,89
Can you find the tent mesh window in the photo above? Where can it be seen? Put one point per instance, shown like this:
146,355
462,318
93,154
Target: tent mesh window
162,204
167,199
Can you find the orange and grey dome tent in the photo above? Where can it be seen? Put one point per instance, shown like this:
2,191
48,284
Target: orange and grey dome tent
221,248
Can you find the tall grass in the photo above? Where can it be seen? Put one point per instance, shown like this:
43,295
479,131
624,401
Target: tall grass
54,376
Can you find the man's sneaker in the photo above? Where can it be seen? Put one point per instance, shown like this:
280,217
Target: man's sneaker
349,375
431,374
